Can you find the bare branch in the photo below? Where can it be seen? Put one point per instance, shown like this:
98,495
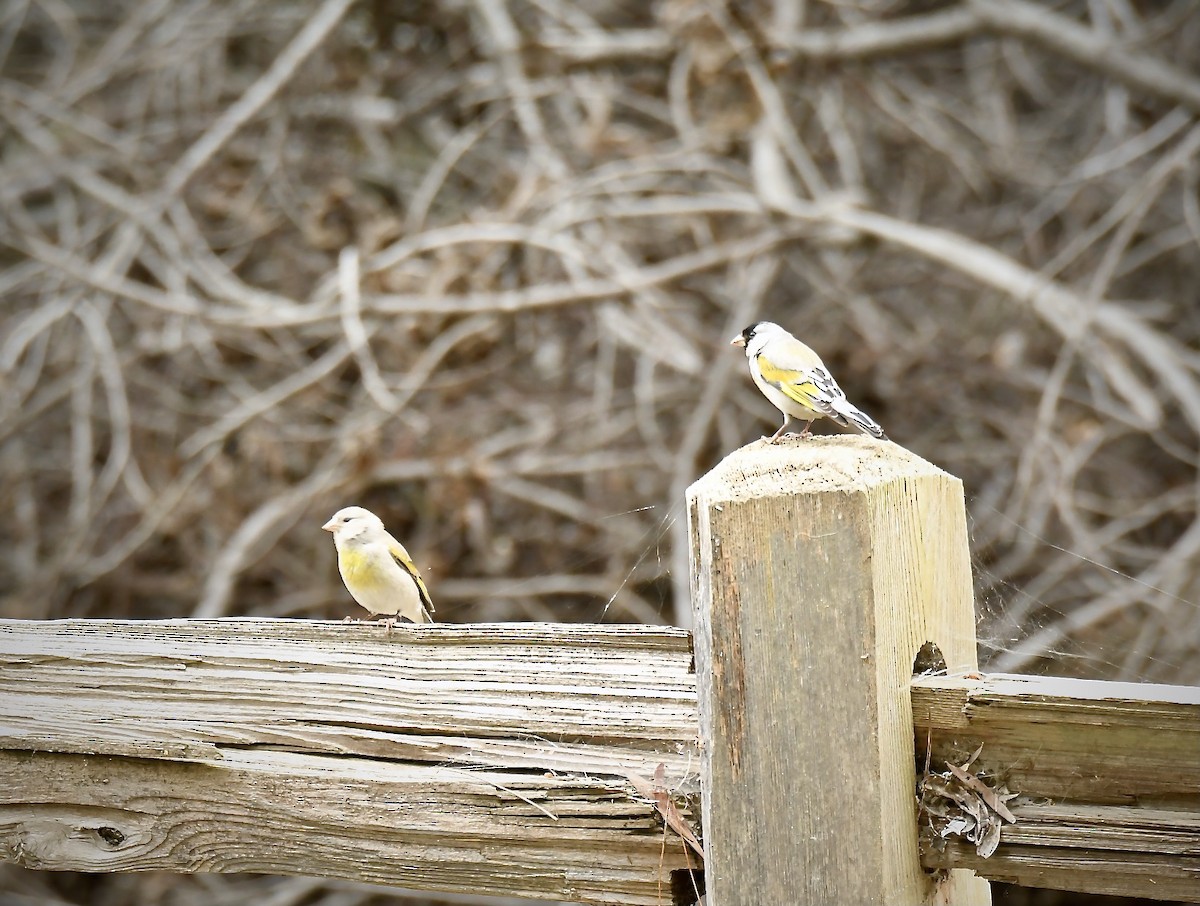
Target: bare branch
1086,47
258,95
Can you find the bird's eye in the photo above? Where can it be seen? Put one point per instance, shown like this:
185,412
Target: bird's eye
345,519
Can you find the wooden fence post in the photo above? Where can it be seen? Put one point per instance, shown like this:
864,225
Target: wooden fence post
819,568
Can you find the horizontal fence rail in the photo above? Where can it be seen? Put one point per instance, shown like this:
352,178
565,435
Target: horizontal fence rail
514,759
1108,777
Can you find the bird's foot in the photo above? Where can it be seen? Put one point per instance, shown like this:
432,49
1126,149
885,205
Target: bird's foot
774,437
349,620
781,434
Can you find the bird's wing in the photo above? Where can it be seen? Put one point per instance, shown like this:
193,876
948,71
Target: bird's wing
809,384
797,371
404,561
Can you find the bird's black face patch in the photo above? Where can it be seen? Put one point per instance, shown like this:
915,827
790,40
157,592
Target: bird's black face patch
748,333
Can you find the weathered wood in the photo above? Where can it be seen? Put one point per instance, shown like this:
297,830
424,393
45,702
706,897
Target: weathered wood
1117,850
472,758
820,567
1108,776
1118,743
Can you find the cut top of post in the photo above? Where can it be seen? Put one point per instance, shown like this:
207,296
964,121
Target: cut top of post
835,463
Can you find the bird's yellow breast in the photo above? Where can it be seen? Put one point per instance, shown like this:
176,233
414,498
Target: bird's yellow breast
359,569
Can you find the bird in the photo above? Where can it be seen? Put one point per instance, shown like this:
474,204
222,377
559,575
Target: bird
377,570
796,381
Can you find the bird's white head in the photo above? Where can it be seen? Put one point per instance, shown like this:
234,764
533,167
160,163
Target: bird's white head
353,523
758,335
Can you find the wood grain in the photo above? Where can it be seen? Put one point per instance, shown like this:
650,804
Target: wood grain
1109,777
449,757
820,567
1116,850
1099,742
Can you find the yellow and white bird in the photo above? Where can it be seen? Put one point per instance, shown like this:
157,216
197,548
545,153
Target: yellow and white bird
796,381
376,568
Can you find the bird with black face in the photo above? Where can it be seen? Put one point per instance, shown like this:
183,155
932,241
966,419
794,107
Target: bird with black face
796,381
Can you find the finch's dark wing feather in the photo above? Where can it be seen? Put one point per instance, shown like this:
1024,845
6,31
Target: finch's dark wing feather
400,555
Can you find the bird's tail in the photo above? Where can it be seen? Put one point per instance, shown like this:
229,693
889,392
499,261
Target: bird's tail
859,419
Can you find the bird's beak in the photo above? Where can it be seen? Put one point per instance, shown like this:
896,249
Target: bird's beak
739,340
330,526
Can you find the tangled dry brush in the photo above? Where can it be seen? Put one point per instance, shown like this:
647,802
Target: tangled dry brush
474,265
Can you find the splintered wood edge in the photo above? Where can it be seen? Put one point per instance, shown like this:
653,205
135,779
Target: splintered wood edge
1071,689
269,630
961,702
